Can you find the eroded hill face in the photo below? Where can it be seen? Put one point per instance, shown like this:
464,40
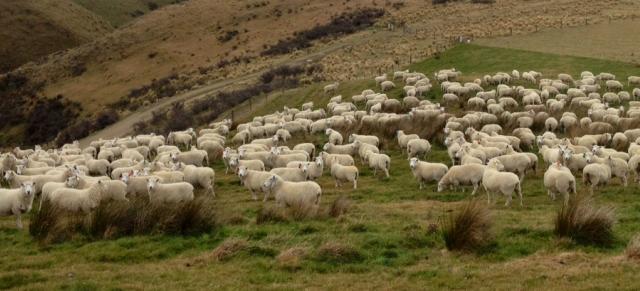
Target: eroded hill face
120,12
35,28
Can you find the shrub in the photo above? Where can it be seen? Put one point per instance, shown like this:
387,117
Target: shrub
229,248
338,253
469,229
48,117
585,223
152,6
340,206
268,214
227,36
291,259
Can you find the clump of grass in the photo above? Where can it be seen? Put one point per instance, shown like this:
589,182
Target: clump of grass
301,210
229,248
584,222
291,259
340,206
469,229
338,253
633,248
268,214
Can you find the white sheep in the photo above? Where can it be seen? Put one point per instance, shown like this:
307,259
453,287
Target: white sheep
462,175
253,180
418,147
203,177
426,172
17,201
386,85
334,136
494,180
403,139
235,163
342,173
313,169
331,88
170,192
75,200
368,139
300,194
328,158
559,180
298,174
379,161
49,187
596,174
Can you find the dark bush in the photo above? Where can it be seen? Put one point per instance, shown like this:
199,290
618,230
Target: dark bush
345,23
105,118
584,222
468,229
152,6
227,36
48,117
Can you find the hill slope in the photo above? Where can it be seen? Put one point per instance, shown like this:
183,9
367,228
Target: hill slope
32,29
119,12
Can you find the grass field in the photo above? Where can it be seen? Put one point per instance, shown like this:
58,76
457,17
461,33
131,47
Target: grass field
120,12
617,40
388,239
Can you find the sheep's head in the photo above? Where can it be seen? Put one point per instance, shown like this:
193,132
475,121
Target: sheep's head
269,183
28,188
152,183
8,175
413,162
326,146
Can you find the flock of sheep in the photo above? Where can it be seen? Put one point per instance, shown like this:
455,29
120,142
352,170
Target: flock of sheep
489,136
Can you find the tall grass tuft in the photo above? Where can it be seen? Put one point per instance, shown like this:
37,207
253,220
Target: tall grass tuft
340,206
469,229
584,222
633,248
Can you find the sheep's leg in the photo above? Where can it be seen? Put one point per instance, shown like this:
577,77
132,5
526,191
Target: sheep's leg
355,184
213,193
375,170
475,188
624,180
508,202
18,220
254,196
421,184
488,197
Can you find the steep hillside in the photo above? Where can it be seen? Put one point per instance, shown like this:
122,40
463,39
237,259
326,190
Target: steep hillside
119,12
35,28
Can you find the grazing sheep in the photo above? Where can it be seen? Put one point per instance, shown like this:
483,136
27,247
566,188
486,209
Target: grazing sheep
417,147
403,139
76,200
328,158
342,173
253,180
426,172
203,177
331,88
379,162
300,194
298,174
462,175
494,180
386,85
334,136
170,192
17,201
559,180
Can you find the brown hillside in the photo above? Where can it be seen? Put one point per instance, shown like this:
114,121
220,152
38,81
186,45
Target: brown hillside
35,28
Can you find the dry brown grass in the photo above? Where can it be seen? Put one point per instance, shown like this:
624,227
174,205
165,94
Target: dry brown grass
229,248
291,259
633,249
338,253
584,222
469,229
340,206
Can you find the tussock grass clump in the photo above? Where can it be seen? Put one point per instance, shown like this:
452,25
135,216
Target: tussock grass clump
584,222
338,253
469,229
113,219
291,259
229,248
633,248
268,214
340,206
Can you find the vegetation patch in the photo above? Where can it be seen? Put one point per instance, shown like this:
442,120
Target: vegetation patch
468,229
584,222
338,253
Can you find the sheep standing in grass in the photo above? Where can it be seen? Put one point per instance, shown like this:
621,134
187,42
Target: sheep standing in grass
171,193
202,177
331,88
298,174
313,169
426,172
299,194
252,180
342,173
596,174
49,187
334,136
462,175
494,180
403,139
76,200
17,201
387,85
558,179
418,147
378,161
328,158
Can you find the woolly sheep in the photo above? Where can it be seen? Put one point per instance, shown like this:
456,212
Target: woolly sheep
595,175
494,180
386,85
378,161
331,88
235,163
300,194
426,172
281,160
462,175
328,159
76,200
559,180
203,177
369,139
403,139
342,173
416,147
170,192
17,201
298,174
313,169
334,136
348,149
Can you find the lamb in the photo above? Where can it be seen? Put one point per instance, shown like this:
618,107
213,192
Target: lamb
493,180
298,174
426,172
379,162
253,180
171,192
559,180
342,173
328,158
301,194
403,139
416,147
76,200
334,136
386,85
462,175
17,201
203,177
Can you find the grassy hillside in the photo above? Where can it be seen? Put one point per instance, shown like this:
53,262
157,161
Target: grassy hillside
388,239
32,29
119,12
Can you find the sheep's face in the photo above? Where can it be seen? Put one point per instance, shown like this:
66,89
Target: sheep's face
28,188
152,183
413,162
326,146
242,172
8,175
441,186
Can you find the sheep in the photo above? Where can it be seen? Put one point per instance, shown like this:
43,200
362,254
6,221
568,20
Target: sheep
49,187
307,147
517,163
328,158
403,139
416,147
192,157
170,192
98,167
426,172
16,180
379,162
494,180
380,79
636,93
559,180
342,173
281,160
113,190
551,124
619,141
549,155
334,136
298,174
596,174
23,170
203,177
180,138
386,85
331,88
461,175
76,200
348,149
368,139
574,162
634,166
613,85
235,163
300,194
17,201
